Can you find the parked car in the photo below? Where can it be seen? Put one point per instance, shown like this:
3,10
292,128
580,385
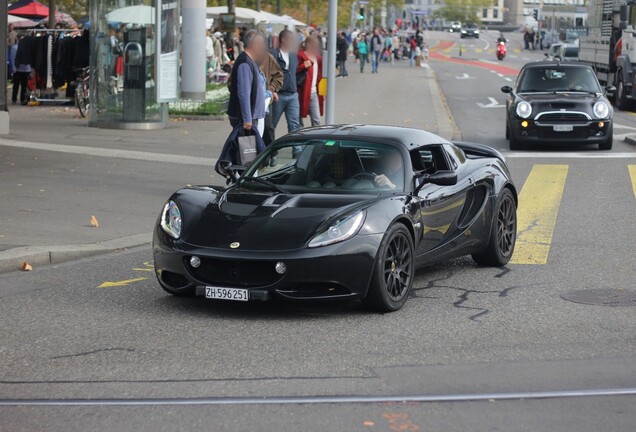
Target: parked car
455,27
344,212
558,103
470,31
568,53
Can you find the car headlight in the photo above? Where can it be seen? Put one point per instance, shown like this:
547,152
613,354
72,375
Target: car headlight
464,31
601,110
524,109
340,231
171,219
476,31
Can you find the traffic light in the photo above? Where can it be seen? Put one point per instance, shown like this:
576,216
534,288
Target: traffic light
361,17
535,14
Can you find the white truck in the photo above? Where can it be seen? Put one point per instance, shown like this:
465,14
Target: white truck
610,47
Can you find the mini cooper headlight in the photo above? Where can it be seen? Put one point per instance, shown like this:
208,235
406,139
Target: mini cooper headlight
171,219
524,109
340,231
601,110
464,31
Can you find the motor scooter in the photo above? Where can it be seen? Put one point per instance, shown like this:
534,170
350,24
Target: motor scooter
501,50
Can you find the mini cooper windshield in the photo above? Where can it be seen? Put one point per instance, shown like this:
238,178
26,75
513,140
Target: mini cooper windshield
327,166
559,79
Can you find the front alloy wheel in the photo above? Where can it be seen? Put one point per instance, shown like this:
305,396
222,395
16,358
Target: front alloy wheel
503,235
394,271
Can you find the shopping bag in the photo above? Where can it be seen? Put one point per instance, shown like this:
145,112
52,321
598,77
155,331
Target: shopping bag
247,148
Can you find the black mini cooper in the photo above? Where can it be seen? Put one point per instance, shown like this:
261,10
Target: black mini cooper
554,103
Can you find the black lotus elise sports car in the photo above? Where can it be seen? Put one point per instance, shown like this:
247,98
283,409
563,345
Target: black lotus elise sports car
338,212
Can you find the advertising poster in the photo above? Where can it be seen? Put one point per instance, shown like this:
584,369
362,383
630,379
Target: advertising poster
168,49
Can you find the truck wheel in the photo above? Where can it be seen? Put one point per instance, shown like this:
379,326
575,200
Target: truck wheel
622,103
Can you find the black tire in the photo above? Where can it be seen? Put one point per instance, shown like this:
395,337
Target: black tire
507,131
80,100
622,103
514,143
607,144
394,271
503,233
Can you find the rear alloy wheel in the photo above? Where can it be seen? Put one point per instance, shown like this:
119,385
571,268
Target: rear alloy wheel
394,270
503,235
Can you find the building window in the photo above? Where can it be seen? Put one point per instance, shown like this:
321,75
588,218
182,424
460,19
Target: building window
484,13
495,13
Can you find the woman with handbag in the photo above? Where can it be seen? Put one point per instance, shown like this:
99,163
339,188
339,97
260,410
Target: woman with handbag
308,76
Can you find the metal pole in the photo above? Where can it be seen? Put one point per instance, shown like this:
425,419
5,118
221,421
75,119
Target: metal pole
332,34
52,14
3,56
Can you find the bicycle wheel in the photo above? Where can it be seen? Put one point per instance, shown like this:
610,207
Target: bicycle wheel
81,100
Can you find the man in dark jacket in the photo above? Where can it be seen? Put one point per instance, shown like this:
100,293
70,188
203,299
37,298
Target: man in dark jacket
343,51
287,102
247,95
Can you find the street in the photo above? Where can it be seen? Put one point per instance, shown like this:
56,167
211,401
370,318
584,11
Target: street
95,344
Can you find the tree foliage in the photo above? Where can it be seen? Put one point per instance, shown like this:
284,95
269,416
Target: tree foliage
466,11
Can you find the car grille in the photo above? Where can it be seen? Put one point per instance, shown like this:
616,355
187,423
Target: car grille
562,117
577,133
230,273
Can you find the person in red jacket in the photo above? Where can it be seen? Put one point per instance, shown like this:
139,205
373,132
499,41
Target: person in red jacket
308,76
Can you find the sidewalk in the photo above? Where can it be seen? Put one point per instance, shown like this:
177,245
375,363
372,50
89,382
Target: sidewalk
56,172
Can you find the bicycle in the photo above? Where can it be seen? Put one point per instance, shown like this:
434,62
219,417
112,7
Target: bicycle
82,92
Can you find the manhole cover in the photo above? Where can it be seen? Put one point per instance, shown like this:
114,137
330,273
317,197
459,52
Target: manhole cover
602,297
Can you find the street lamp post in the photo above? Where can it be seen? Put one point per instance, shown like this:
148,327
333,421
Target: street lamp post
332,34
4,114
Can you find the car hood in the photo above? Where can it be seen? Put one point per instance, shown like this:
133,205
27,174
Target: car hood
258,221
542,102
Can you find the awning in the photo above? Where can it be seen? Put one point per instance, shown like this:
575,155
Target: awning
139,14
31,9
243,15
20,22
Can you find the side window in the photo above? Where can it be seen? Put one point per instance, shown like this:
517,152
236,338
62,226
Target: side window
429,159
457,156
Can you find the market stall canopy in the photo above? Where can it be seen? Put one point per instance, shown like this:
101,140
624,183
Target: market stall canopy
29,9
294,21
243,15
19,22
275,19
139,14
61,18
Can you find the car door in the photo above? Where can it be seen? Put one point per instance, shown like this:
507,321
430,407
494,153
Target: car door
439,206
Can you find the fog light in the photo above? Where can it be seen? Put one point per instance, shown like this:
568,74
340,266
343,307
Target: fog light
601,124
280,268
524,124
195,261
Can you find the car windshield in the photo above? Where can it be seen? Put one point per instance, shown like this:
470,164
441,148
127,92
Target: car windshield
327,166
557,79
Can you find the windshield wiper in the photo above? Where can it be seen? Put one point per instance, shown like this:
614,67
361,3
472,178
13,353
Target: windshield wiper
264,182
576,91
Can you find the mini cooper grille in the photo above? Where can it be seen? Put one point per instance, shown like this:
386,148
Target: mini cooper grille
562,117
229,273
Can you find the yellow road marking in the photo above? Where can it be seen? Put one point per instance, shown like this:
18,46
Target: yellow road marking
517,50
539,202
632,173
121,283
479,50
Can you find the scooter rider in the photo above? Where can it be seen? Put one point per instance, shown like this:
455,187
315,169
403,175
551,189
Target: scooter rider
501,39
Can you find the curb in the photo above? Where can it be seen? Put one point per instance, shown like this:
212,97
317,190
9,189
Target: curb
446,126
630,139
12,259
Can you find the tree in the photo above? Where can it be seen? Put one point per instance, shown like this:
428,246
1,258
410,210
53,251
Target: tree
75,8
464,10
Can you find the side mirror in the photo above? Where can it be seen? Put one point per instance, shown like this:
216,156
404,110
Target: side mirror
610,89
546,55
506,89
232,172
440,178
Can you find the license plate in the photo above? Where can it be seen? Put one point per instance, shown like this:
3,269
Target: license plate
563,128
218,293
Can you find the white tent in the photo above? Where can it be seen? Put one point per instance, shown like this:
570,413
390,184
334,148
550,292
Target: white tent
19,21
294,21
243,15
139,14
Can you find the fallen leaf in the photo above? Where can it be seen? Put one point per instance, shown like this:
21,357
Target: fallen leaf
368,423
26,266
94,223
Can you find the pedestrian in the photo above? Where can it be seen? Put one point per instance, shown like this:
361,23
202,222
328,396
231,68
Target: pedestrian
310,65
247,96
273,83
287,102
343,50
388,46
12,36
363,51
377,44
412,46
21,74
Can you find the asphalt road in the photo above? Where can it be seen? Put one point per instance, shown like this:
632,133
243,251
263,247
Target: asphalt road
101,329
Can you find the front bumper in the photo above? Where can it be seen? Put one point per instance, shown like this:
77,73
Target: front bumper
536,132
337,271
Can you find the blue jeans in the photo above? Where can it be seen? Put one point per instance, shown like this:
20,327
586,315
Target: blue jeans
288,104
375,61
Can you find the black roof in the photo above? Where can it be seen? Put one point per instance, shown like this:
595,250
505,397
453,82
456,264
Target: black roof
393,134
551,63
